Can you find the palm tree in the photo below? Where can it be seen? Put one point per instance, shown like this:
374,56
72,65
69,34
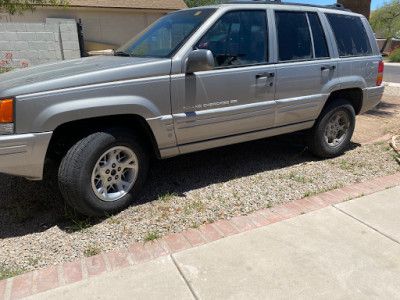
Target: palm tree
358,6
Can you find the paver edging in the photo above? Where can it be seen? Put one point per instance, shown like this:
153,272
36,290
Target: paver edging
42,280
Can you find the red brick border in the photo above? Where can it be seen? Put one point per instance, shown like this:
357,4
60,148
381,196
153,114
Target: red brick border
68,273
384,138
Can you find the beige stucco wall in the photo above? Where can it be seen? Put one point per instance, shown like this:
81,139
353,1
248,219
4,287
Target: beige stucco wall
110,26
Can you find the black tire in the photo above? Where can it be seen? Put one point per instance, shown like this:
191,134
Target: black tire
340,117
79,172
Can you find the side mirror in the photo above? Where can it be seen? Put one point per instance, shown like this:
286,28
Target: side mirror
199,60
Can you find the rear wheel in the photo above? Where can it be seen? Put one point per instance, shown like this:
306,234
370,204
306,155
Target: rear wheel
103,172
333,130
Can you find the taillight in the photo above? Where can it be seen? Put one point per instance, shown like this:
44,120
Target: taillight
381,66
6,116
380,73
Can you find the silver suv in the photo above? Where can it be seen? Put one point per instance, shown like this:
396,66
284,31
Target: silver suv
196,79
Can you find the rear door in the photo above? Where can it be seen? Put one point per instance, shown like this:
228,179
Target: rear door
358,66
238,95
306,71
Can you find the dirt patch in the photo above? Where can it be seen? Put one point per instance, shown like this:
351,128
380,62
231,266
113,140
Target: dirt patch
382,119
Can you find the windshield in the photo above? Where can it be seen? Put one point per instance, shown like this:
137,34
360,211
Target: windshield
165,36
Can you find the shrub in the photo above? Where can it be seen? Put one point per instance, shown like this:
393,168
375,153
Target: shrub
394,55
8,64
5,66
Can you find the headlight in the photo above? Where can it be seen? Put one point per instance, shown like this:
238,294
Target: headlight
7,116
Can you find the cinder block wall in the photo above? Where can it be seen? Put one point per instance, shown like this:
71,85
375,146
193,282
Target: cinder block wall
38,43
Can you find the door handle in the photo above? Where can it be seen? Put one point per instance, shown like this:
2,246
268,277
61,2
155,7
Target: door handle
265,75
327,67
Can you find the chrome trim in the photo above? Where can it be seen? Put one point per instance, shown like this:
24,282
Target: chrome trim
223,114
296,107
195,123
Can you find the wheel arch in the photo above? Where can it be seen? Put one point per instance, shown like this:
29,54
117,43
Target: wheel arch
353,95
65,135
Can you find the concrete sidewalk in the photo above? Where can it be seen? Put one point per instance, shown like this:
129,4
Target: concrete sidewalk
346,251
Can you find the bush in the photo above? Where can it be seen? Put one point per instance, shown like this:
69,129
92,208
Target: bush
8,64
394,55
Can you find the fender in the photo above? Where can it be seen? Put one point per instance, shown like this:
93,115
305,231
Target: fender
55,115
45,111
345,83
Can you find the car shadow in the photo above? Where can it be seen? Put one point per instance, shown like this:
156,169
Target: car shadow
28,207
384,109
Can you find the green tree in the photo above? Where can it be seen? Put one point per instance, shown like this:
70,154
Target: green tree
387,20
19,6
195,3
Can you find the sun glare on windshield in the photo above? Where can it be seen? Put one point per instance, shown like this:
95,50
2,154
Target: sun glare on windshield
164,37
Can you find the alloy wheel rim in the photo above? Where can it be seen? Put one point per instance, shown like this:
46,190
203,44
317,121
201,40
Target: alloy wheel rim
337,129
114,174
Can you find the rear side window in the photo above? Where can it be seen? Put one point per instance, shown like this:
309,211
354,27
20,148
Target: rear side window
294,40
350,34
321,49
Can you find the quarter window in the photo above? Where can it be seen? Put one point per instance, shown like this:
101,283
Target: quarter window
350,34
237,38
294,40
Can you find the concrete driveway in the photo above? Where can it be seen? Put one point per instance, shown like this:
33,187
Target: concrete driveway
348,250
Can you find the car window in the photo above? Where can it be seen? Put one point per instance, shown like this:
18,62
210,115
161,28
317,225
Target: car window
320,47
294,40
350,34
237,38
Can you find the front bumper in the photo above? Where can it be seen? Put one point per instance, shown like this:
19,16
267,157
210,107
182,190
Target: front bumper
372,96
24,154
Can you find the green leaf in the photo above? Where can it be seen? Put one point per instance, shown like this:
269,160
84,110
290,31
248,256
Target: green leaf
20,6
387,19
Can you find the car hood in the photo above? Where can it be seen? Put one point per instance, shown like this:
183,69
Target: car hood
79,72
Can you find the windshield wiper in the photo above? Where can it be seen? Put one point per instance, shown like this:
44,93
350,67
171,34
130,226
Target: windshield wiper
120,53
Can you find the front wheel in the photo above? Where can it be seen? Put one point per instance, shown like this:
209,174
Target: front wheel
333,130
103,172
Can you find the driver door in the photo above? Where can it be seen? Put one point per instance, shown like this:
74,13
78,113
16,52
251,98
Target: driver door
238,95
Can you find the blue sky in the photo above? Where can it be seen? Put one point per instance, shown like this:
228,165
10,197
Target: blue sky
374,3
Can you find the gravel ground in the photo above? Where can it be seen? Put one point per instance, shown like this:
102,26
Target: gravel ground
38,230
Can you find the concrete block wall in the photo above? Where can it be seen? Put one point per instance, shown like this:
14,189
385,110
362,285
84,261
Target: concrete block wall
69,38
38,43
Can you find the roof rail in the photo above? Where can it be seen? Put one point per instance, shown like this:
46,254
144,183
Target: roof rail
338,6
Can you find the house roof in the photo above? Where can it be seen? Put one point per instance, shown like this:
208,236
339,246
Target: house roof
132,4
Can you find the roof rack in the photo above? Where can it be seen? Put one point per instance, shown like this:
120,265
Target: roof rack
332,6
